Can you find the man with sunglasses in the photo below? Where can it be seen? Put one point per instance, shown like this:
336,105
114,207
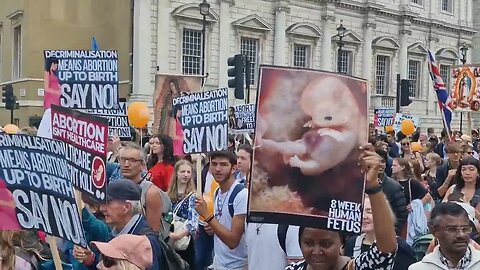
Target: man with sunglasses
451,226
446,172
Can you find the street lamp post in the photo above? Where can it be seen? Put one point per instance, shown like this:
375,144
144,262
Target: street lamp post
204,11
463,52
341,31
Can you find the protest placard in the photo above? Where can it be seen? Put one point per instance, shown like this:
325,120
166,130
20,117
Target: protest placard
86,137
204,120
37,173
384,117
88,79
241,118
309,126
399,117
117,121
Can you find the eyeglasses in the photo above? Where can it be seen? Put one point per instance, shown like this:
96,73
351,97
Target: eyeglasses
130,160
471,153
456,229
405,144
108,262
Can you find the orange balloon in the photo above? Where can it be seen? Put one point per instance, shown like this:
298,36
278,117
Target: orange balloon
11,129
388,128
407,127
138,114
416,146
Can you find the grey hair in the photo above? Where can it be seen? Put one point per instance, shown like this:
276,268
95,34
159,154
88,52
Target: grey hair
135,146
136,207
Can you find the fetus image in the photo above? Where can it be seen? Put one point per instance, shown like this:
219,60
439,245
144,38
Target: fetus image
306,143
333,128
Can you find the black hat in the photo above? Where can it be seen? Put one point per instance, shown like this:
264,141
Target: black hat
123,189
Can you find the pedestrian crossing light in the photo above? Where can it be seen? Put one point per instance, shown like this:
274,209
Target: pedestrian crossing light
236,75
9,98
405,93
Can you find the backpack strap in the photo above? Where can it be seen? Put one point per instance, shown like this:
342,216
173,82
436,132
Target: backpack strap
282,230
31,259
235,191
476,198
357,249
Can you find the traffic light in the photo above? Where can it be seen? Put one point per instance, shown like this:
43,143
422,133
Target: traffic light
236,75
405,93
9,98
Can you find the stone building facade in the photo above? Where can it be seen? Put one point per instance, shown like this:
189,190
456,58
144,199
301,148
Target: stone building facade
384,38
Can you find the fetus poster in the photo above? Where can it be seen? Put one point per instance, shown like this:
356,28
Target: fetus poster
309,127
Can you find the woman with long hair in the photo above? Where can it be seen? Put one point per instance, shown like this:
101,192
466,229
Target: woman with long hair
17,252
412,187
182,195
433,161
161,160
176,131
321,249
52,92
467,186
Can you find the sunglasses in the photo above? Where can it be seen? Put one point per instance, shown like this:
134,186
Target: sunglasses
108,262
405,144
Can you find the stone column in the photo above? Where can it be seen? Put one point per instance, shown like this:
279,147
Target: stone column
367,51
327,42
163,35
462,15
280,36
141,53
403,54
224,34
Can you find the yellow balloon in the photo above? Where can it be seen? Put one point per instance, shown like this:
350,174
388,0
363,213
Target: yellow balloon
138,114
11,129
416,147
388,128
407,127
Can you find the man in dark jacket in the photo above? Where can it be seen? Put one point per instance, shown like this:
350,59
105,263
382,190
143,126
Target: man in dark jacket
394,193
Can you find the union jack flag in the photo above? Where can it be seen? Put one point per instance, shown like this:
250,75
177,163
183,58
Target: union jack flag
444,101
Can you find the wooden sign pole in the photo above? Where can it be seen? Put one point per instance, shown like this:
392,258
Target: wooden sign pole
56,256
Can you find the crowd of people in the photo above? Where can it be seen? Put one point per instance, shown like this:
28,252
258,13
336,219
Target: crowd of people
420,212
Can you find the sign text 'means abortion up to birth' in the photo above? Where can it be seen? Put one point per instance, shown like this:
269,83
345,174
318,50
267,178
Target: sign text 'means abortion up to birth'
38,175
204,120
89,79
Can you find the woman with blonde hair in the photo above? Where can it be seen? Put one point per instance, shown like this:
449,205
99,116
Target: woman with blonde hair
182,194
16,254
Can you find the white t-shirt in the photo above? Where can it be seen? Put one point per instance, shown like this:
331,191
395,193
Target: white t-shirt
224,256
262,242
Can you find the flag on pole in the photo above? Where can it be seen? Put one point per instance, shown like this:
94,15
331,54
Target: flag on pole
444,100
94,44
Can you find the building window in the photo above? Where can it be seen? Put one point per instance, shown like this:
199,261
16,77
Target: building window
382,75
17,52
300,55
414,77
418,2
447,5
192,52
445,73
249,47
345,62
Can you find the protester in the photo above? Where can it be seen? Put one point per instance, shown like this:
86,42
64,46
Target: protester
467,187
321,248
160,163
114,145
123,214
182,195
394,149
447,171
433,161
394,193
126,252
244,161
229,244
412,188
17,257
155,204
450,225
359,244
